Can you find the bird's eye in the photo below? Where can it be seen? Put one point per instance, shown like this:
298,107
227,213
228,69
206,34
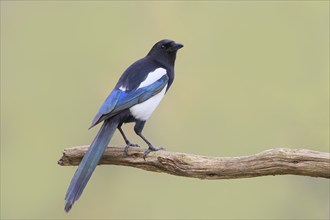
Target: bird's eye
163,46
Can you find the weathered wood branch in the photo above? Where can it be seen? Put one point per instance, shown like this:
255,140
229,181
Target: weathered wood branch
278,161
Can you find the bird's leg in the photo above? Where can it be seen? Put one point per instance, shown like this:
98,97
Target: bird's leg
138,130
150,148
128,143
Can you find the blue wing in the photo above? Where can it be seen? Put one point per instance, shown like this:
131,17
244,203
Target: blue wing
119,100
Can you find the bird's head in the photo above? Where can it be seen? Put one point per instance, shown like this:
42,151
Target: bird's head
165,50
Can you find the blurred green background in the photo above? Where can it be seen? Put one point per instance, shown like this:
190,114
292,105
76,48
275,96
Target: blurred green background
252,76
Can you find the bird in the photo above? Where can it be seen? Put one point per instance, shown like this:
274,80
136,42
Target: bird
136,95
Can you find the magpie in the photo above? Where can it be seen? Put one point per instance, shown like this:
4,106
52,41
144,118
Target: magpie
136,95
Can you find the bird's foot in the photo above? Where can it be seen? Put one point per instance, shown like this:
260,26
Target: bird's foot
128,145
151,148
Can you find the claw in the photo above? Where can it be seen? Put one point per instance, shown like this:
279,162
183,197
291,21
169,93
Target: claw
128,145
151,148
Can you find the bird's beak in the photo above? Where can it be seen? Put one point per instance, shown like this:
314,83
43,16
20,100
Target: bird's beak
178,45
175,46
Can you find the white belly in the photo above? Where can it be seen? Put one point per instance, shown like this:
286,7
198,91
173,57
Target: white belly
143,110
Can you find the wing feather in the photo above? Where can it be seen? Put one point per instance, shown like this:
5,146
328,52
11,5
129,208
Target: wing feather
119,100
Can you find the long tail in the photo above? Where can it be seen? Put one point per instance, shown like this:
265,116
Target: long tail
89,162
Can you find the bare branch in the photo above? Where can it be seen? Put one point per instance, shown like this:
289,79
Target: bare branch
278,161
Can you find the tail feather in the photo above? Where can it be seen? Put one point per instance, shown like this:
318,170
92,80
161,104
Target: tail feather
89,163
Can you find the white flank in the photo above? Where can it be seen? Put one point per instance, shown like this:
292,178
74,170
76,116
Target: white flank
143,110
153,77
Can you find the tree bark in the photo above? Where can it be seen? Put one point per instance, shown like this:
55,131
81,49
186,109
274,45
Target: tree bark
278,161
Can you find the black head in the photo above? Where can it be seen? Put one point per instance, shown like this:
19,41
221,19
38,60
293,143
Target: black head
165,51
